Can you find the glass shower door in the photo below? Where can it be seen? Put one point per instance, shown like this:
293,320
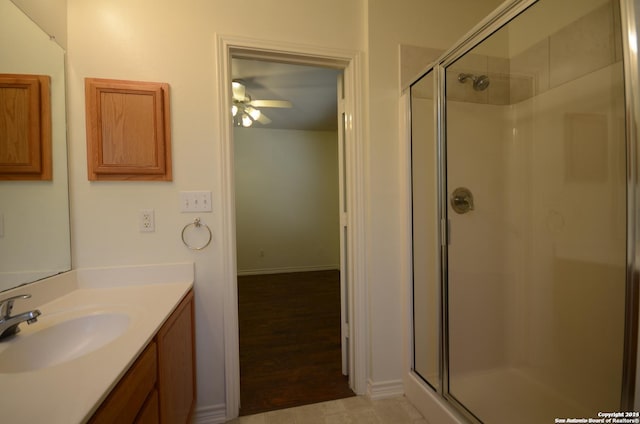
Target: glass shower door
426,294
535,170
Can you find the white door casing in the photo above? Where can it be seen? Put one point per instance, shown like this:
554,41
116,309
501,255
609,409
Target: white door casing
352,222
344,264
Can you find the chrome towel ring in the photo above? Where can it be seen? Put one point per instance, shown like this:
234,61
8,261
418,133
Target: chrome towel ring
196,224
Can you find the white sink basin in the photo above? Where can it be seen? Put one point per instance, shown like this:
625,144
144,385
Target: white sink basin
61,342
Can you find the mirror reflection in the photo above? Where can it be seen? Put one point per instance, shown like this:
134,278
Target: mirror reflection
34,215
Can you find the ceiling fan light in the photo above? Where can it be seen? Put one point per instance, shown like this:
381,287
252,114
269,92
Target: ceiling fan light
234,110
254,113
238,90
246,120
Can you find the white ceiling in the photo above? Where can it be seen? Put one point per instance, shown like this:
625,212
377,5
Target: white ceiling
311,90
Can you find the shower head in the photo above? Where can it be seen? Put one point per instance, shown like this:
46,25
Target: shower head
480,82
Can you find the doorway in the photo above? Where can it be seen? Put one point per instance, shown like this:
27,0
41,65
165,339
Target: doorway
287,197
351,219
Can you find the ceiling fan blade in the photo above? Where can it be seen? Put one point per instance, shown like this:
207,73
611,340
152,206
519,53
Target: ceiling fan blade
271,103
263,119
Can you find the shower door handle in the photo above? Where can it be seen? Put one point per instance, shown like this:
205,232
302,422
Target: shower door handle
462,200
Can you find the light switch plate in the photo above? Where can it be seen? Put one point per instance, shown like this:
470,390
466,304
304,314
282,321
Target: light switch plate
195,201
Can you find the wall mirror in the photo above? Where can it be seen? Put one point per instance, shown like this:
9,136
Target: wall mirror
34,215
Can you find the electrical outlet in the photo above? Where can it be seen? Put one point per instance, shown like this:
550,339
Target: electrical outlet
146,221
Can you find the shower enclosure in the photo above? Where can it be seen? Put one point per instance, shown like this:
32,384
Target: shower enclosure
524,208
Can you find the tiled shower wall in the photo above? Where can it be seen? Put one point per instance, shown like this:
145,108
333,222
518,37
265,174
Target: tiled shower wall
586,45
560,173
591,43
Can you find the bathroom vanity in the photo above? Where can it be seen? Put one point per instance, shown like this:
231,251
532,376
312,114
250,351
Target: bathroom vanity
160,386
112,345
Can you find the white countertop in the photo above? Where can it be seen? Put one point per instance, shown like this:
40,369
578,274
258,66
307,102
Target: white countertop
70,392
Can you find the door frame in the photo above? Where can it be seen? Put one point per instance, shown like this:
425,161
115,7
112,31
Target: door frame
350,62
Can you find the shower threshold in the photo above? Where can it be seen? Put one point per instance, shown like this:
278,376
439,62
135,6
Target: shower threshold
510,395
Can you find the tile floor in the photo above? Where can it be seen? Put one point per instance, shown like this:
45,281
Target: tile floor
353,410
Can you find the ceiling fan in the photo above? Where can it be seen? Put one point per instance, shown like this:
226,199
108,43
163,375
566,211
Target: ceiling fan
245,110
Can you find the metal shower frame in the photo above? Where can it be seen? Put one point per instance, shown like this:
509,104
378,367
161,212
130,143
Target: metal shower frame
630,14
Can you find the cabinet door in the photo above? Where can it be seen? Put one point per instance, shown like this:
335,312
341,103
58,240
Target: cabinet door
176,365
125,401
149,412
128,130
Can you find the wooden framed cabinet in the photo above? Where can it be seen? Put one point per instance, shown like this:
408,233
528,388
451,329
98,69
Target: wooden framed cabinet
160,387
128,130
25,127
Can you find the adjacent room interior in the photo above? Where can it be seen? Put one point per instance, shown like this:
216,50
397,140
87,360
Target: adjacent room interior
287,234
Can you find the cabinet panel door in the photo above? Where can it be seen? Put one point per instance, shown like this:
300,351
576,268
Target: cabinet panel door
128,130
176,365
125,401
25,127
149,412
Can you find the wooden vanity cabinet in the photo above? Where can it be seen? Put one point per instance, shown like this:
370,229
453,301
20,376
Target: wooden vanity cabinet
176,365
160,387
130,395
149,414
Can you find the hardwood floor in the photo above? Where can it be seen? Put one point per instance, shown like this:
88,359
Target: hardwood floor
290,353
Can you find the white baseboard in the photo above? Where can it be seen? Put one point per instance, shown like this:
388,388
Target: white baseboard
214,414
385,389
285,270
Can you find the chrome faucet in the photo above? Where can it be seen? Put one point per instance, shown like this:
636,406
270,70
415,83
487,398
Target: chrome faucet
9,324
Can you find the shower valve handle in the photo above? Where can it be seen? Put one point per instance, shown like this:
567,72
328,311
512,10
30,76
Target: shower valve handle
462,200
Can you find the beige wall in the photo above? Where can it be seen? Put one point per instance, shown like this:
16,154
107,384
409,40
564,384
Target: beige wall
433,24
174,42
287,211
